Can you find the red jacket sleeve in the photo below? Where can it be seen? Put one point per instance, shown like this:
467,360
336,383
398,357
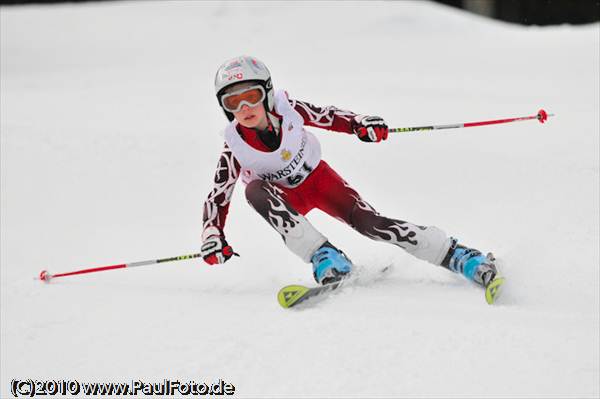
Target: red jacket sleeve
330,117
216,205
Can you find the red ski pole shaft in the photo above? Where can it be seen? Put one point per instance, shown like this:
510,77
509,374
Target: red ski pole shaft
46,276
541,116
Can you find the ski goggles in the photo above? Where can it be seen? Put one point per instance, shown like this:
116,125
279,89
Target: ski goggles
251,96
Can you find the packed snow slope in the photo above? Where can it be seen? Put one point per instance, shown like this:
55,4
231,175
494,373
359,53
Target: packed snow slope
110,137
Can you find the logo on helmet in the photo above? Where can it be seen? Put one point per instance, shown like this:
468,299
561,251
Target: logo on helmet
232,65
229,76
255,65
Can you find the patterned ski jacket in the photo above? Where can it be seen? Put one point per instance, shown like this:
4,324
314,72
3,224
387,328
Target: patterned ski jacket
228,168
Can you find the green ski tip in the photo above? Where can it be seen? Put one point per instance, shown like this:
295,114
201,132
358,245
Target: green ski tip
493,290
290,294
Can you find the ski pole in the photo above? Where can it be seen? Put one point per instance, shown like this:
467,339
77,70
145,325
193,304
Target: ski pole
541,116
46,276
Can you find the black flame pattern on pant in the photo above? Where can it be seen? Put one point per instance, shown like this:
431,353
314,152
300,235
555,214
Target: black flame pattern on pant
367,221
267,200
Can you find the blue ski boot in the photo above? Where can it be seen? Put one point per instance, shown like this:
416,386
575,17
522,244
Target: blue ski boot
471,263
477,268
329,264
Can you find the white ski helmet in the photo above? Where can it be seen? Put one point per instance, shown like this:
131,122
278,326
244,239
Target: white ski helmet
243,69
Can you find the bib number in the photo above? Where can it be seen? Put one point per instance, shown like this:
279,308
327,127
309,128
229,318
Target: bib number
299,177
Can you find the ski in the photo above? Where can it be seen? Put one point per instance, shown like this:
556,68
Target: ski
293,295
494,289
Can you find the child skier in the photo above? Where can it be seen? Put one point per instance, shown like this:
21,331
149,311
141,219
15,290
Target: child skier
266,143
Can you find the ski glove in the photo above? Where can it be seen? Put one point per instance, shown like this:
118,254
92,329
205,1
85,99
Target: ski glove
215,250
372,129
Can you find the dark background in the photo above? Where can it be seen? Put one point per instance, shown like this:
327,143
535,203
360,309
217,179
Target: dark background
533,12
526,12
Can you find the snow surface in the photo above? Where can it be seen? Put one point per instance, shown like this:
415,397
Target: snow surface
109,142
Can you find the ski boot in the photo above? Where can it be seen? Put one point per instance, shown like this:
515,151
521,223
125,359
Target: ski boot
329,264
477,268
490,279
